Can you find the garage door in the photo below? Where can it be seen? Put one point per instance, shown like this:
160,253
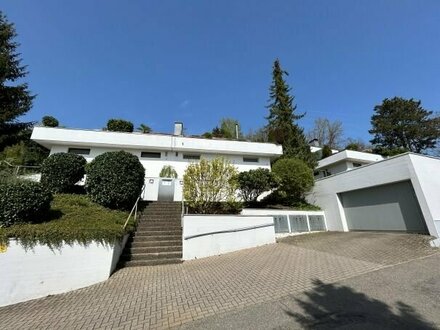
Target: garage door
391,207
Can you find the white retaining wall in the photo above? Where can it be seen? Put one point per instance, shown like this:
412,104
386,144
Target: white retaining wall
40,271
233,233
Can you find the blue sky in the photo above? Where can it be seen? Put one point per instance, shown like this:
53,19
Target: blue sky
157,62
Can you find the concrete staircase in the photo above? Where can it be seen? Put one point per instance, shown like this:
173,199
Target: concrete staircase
158,237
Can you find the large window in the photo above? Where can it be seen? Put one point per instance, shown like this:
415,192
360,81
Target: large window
191,156
149,154
79,151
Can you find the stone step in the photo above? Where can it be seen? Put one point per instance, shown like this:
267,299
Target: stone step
162,230
170,243
160,220
160,215
146,227
177,232
152,256
157,238
153,249
138,263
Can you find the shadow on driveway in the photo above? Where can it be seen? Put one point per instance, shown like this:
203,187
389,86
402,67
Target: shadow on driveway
329,306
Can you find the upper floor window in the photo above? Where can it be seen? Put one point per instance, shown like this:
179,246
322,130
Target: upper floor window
357,164
79,151
191,156
250,159
149,154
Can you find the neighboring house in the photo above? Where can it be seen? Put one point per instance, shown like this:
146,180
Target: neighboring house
157,150
344,161
401,193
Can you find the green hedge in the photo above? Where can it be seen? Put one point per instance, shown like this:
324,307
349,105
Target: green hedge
60,172
115,179
23,202
120,125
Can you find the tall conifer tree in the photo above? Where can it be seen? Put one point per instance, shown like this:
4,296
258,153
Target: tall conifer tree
15,98
282,127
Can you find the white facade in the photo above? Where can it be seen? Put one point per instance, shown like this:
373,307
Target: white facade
41,271
344,161
209,235
421,171
157,150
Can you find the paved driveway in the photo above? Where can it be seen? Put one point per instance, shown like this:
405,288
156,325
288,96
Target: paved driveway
169,296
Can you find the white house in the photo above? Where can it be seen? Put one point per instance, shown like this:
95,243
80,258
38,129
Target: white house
395,194
344,161
157,150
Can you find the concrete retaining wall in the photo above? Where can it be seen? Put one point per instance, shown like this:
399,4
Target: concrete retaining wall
208,235
40,271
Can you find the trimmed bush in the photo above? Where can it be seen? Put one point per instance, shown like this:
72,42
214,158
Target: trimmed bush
295,179
23,202
60,172
255,182
120,125
49,121
115,179
209,187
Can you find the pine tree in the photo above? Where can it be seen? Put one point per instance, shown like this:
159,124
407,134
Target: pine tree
15,100
282,127
400,125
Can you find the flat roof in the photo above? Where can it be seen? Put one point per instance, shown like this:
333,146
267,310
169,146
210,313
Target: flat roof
51,136
348,155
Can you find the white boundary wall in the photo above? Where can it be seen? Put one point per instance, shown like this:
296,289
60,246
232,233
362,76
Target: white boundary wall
224,233
40,271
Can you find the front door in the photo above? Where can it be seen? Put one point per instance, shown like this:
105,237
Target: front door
166,190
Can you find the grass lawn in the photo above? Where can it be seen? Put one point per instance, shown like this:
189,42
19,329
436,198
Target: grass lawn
73,218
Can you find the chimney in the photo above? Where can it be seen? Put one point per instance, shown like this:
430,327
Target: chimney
178,128
314,143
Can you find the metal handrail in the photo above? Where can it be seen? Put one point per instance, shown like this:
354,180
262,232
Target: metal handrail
17,167
230,230
134,208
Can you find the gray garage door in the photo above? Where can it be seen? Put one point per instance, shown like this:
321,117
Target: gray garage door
391,207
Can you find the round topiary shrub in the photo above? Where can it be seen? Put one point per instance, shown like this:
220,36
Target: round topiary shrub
60,172
115,179
120,125
23,202
49,121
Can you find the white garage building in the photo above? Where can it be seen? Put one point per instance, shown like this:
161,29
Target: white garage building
401,193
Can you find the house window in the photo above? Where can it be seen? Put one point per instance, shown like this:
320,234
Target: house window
148,154
192,157
250,159
326,173
357,164
79,151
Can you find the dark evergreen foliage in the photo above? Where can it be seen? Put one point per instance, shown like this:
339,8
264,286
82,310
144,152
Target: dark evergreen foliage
120,125
60,172
23,202
401,125
255,182
15,100
50,121
282,127
115,179
326,152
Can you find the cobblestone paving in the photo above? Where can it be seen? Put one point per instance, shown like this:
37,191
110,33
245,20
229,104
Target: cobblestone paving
169,296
